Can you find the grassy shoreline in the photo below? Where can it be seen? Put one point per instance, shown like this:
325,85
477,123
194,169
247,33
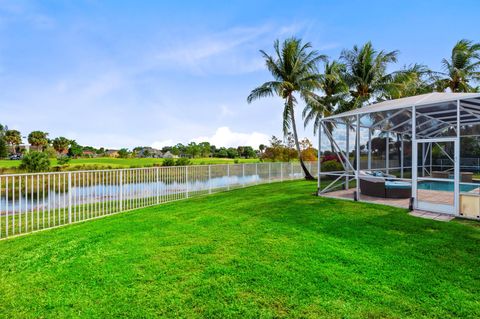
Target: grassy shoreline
11,166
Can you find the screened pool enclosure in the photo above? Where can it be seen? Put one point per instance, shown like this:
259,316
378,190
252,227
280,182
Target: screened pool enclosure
421,152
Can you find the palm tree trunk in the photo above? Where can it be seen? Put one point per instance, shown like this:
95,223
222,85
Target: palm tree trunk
308,176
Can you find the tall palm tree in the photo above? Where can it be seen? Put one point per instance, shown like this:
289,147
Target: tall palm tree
334,91
294,70
461,69
366,73
411,80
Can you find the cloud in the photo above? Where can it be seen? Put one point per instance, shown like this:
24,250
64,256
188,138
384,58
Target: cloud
161,144
224,137
233,51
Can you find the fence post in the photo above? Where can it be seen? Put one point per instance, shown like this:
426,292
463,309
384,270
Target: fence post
228,176
209,179
269,172
158,185
121,190
291,170
256,174
281,172
69,197
243,175
186,178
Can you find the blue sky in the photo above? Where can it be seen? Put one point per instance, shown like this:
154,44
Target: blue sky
128,73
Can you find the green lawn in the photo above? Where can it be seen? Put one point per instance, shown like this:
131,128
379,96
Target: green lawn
266,251
129,162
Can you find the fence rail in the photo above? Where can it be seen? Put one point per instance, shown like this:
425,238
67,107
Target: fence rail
32,202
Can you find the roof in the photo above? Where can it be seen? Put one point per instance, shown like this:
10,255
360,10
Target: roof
406,102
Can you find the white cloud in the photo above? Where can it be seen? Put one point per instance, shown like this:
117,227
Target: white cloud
161,144
225,137
233,51
226,111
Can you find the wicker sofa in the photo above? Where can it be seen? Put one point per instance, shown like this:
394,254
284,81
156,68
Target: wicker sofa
465,177
380,186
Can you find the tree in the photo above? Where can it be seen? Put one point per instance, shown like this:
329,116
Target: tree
294,69
232,152
366,73
308,152
412,80
246,152
61,144
3,147
123,153
193,149
335,91
278,151
38,140
178,149
221,152
3,143
35,162
461,69
13,139
262,148
75,150
205,149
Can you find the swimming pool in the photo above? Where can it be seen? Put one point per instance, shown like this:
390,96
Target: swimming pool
445,186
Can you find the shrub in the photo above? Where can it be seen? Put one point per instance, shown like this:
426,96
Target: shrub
168,162
182,161
63,160
235,161
331,166
50,151
35,162
330,157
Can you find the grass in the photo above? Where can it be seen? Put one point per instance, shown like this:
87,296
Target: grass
272,250
128,162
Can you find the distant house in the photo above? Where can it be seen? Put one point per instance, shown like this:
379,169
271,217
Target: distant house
89,153
149,152
168,154
111,153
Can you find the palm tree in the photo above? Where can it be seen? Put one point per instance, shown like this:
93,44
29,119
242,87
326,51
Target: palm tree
13,138
409,81
294,70
38,139
335,91
461,69
366,73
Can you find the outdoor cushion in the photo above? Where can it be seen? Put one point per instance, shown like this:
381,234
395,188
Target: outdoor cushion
397,184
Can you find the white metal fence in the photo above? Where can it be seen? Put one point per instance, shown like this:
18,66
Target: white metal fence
31,202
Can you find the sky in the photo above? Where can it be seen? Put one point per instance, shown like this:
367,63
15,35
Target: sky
155,73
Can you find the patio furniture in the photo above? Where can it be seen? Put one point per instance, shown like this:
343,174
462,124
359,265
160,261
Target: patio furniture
372,186
376,184
398,189
440,174
466,177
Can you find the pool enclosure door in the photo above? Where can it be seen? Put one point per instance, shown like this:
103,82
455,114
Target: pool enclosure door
435,187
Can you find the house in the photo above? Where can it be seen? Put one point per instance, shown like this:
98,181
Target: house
149,152
168,154
88,153
111,153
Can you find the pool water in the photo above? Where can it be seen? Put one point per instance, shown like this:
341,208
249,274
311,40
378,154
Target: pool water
445,186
